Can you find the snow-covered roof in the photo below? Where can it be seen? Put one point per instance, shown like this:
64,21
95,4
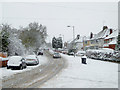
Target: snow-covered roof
87,38
114,34
102,34
79,40
69,41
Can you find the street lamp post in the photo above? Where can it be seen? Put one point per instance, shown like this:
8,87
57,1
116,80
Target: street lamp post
73,31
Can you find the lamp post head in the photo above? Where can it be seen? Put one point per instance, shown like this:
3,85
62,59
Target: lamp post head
68,26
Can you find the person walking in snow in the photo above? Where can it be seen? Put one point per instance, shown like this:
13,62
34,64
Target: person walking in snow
84,59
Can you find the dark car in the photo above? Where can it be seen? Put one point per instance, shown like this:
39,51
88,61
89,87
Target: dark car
56,55
40,52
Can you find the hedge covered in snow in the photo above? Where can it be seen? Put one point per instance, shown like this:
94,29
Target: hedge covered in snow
103,54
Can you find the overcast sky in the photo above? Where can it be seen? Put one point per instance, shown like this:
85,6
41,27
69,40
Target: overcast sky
85,16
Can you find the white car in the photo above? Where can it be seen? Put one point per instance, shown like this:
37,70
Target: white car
31,60
80,53
15,62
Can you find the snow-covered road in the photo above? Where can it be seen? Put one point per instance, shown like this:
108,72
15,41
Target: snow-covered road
6,73
34,76
96,74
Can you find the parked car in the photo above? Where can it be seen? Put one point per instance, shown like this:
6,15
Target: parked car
15,62
64,52
40,52
56,55
70,53
32,60
80,53
46,49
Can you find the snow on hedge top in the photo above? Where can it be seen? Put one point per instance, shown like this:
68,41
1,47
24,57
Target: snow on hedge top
102,50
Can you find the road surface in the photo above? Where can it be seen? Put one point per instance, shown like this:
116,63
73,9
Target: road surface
35,77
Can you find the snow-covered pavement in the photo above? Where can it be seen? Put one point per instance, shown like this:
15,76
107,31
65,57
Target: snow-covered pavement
8,72
95,74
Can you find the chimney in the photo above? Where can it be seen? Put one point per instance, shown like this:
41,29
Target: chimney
78,36
105,27
111,31
91,35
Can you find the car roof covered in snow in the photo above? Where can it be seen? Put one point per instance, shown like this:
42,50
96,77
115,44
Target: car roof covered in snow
31,57
15,58
81,52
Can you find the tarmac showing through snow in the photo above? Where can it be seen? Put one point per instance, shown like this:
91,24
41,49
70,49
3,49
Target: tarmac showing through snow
94,74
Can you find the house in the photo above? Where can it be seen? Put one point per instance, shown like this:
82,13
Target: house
111,40
79,44
86,43
75,45
97,41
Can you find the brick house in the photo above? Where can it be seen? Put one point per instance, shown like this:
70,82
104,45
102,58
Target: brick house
111,40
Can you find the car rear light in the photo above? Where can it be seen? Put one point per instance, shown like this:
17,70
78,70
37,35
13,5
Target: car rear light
31,59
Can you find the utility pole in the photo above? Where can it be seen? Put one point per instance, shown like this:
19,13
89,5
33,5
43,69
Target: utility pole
73,27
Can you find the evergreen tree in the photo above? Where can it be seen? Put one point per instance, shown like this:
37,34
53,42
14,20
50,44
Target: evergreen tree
5,36
57,42
54,42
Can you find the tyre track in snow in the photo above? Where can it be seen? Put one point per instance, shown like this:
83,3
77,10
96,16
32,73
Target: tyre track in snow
36,76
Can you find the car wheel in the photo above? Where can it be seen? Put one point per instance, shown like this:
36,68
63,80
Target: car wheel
8,67
25,66
21,67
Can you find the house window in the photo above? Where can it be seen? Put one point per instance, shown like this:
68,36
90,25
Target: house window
85,42
104,41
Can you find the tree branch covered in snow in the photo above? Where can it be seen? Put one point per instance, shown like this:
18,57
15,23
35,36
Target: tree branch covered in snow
24,40
10,40
33,36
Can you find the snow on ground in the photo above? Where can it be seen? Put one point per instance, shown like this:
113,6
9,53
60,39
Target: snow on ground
8,72
96,74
